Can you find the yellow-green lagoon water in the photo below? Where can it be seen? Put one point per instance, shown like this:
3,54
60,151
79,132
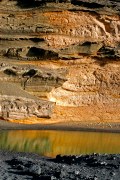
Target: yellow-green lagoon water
50,143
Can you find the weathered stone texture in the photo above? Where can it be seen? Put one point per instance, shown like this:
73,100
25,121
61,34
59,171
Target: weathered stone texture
18,104
65,51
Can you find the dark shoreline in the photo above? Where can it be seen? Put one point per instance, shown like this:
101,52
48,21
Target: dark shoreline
114,128
24,166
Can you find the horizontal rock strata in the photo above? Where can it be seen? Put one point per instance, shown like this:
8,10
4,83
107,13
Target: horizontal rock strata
90,85
67,51
18,104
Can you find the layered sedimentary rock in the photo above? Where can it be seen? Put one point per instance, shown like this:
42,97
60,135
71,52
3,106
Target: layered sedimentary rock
89,85
18,104
65,51
38,80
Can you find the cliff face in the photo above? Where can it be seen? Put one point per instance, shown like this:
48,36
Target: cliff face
15,103
65,51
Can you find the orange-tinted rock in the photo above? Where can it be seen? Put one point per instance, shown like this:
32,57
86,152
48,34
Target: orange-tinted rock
74,47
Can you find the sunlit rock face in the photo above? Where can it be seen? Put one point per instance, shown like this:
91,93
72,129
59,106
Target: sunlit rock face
89,85
67,51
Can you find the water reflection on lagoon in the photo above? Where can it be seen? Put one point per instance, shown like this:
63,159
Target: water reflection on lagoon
51,143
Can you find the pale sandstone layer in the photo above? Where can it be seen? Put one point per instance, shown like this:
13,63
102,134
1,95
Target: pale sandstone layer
64,51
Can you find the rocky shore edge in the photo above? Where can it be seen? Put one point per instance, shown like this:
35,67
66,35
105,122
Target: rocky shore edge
24,166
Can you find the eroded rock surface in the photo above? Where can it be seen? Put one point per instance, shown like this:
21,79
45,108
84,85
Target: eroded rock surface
16,103
67,51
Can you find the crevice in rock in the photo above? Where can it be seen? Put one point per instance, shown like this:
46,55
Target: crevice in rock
42,53
10,72
87,4
30,3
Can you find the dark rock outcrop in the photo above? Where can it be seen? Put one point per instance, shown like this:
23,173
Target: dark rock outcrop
83,167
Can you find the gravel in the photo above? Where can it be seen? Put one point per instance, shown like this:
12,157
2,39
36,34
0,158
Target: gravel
24,166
